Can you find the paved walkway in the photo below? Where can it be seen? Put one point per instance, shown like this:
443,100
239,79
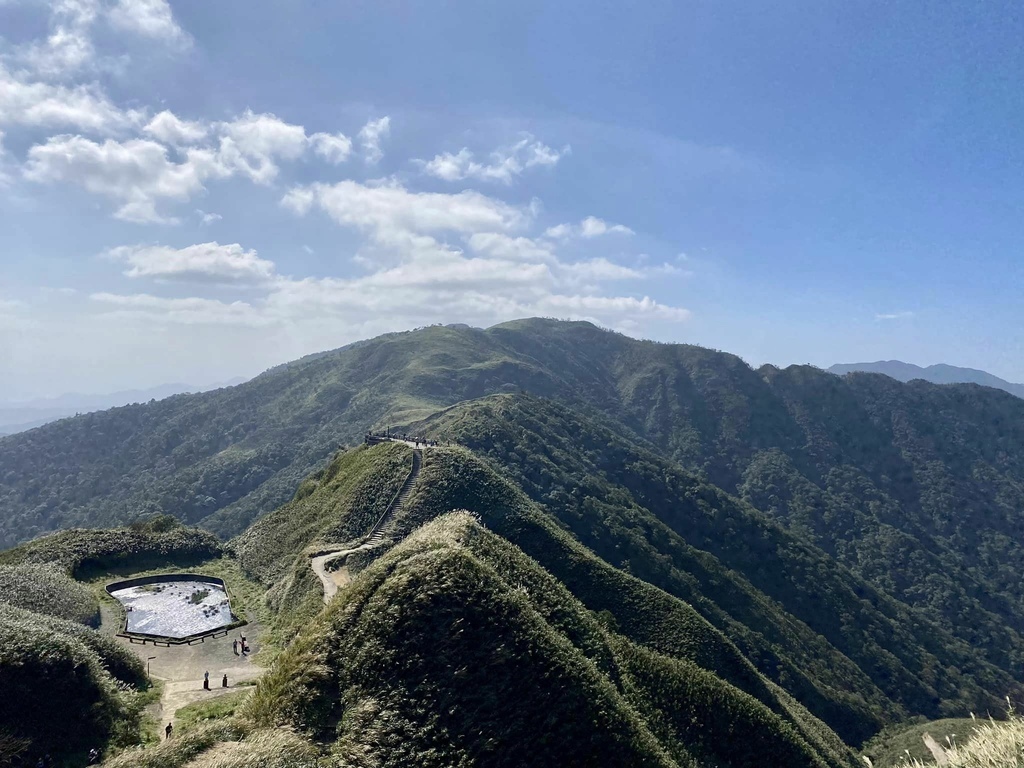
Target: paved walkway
181,667
340,577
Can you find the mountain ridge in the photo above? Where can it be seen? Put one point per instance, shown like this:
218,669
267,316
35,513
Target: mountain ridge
940,373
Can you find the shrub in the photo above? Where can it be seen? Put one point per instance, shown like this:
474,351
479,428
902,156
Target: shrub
43,589
56,694
119,661
991,745
140,547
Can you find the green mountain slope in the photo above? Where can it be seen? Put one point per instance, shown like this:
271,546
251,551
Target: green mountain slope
855,538
455,648
845,649
454,479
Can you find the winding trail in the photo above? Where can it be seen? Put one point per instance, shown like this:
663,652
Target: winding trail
337,578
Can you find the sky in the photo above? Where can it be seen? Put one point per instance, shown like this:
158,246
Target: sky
194,191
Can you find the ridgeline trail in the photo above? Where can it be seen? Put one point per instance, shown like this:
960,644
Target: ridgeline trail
333,579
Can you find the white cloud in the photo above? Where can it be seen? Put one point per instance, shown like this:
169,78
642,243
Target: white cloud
370,137
506,163
559,231
590,227
616,307
390,208
601,269
5,177
135,173
250,145
503,246
594,227
38,104
187,311
332,147
139,174
65,51
149,18
68,48
265,135
207,218
204,262
902,315
170,129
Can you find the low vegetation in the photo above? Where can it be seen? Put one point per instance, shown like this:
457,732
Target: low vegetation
150,544
989,744
44,589
65,689
898,744
517,671
194,715
854,656
338,504
335,507
229,743
664,558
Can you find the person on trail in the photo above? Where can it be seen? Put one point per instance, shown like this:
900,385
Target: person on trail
234,646
224,682
167,731
206,681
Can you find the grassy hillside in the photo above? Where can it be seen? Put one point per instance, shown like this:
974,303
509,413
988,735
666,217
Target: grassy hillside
455,479
897,745
982,744
914,487
44,589
845,545
152,543
334,506
66,688
513,669
845,649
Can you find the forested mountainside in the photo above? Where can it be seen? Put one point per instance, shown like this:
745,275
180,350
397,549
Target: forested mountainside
798,614
222,458
487,636
554,591
916,488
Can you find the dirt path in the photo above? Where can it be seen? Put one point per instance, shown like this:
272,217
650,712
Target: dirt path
340,577
181,667
333,579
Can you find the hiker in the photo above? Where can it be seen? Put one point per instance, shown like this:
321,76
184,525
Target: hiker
224,682
206,681
167,731
234,646
245,648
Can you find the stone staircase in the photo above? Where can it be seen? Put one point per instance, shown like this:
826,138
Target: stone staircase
376,534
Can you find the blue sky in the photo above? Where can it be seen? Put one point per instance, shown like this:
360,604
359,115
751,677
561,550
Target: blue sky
198,190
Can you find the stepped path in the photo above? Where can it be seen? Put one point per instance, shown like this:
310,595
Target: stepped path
333,579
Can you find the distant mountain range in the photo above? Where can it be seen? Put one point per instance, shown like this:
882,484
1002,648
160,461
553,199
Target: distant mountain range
18,416
936,374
